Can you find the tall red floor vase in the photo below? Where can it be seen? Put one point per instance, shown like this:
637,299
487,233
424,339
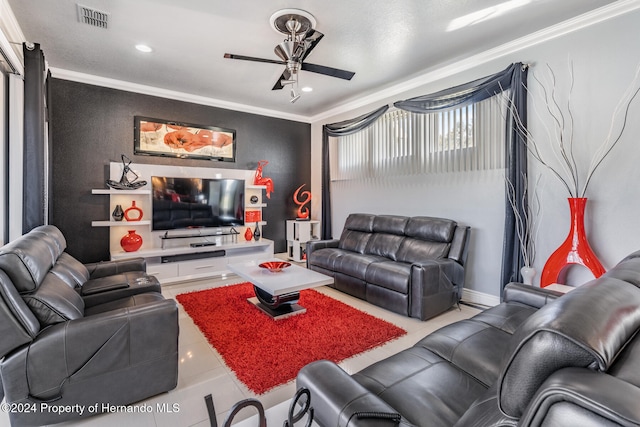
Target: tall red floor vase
574,250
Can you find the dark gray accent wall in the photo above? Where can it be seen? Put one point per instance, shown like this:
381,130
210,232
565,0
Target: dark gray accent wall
91,126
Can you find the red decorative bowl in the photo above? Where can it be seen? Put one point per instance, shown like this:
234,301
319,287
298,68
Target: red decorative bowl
275,266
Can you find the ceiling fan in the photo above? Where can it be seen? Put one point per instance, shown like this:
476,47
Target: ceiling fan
302,38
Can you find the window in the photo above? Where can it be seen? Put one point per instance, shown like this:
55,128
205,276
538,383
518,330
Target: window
468,138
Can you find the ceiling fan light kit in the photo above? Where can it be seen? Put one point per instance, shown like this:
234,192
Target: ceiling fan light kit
302,37
282,20
294,96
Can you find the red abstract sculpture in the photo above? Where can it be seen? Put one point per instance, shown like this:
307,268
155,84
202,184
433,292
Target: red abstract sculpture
303,212
260,180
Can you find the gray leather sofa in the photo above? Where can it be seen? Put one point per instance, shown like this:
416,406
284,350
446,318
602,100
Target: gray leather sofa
412,266
537,359
74,335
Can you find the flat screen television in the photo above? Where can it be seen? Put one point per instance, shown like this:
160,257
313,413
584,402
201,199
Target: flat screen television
180,203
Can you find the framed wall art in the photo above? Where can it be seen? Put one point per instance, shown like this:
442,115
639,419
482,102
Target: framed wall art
158,137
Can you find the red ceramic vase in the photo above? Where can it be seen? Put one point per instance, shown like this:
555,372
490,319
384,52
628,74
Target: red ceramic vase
131,242
574,250
248,235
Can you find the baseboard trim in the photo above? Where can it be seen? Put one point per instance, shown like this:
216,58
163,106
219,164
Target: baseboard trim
481,298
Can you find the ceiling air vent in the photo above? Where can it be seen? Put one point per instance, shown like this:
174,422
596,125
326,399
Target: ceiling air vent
96,18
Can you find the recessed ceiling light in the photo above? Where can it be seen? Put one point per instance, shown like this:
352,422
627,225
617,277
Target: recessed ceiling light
307,89
144,48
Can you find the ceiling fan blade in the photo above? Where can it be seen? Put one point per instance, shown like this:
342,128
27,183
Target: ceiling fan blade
313,38
285,76
251,58
328,71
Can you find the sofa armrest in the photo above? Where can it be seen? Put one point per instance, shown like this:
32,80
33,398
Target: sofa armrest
529,295
584,397
92,346
339,400
436,285
314,245
109,268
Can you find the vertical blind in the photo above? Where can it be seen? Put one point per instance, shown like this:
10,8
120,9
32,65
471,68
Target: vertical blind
400,142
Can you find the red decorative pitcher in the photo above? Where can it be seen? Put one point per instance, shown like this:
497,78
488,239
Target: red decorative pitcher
131,242
133,213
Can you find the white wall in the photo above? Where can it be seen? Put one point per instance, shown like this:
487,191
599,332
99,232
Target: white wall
605,57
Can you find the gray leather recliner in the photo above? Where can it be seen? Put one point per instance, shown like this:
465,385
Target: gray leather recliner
114,342
537,359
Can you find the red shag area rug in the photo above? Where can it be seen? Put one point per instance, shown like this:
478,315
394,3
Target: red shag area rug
265,353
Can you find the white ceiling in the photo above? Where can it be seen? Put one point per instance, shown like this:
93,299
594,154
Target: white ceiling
383,41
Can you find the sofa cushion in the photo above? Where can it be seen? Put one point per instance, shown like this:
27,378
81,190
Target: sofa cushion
27,261
423,387
355,265
587,328
390,224
54,238
627,269
416,251
384,245
70,270
18,325
389,275
354,241
432,229
472,346
326,257
507,317
360,222
54,301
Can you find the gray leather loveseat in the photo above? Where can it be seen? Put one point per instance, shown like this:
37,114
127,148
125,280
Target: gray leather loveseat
412,266
537,359
77,336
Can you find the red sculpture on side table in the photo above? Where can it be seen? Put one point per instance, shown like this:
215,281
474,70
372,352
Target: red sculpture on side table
260,180
303,212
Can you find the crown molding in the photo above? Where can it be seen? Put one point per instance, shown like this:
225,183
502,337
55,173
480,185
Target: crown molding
91,79
604,13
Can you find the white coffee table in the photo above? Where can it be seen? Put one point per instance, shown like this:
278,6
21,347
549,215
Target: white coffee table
277,294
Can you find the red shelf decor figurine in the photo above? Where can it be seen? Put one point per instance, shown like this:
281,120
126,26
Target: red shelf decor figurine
260,180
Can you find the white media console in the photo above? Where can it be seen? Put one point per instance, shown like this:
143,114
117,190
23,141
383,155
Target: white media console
179,255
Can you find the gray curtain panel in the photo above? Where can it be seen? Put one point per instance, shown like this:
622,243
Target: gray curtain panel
33,193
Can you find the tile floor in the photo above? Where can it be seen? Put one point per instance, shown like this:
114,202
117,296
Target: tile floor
202,371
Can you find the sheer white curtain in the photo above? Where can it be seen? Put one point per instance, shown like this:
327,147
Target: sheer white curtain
401,143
